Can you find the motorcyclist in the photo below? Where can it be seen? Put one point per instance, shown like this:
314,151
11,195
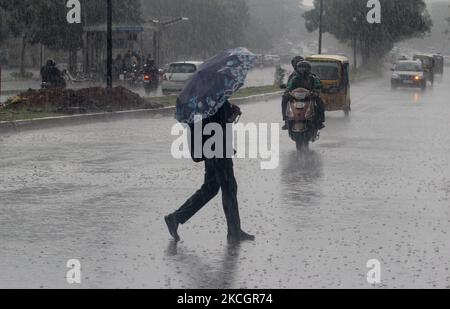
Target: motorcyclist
46,71
296,60
52,75
127,62
150,68
304,78
285,100
149,64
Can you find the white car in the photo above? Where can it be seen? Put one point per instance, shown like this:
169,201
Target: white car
178,74
272,59
407,73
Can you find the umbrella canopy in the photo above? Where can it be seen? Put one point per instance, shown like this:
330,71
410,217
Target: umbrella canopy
215,82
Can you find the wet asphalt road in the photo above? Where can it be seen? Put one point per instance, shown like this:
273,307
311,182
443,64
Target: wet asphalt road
376,186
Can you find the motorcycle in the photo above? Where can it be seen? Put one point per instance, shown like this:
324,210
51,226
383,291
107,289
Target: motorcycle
150,80
53,78
59,83
150,83
302,118
131,76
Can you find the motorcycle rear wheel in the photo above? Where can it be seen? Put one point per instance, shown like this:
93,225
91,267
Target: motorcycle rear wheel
302,143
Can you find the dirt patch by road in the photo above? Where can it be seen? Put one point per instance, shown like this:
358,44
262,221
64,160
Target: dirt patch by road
82,101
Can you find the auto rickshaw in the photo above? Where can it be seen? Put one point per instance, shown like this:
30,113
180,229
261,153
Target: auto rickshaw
428,65
333,71
439,64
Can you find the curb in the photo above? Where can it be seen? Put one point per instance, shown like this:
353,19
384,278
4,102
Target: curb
51,122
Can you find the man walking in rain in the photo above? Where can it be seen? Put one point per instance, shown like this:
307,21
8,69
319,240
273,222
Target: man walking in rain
219,175
210,84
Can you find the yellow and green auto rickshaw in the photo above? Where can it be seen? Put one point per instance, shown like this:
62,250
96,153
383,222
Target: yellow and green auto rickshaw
428,65
333,71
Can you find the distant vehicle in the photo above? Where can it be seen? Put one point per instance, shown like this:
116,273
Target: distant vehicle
150,76
409,74
259,60
428,65
286,58
132,76
178,74
439,64
58,81
268,60
313,45
333,71
271,60
447,60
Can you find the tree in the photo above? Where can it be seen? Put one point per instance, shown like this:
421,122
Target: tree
22,22
346,20
124,11
280,19
257,36
44,21
3,26
213,25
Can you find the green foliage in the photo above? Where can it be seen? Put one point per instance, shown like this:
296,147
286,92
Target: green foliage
44,21
213,25
4,31
401,19
124,11
21,17
280,19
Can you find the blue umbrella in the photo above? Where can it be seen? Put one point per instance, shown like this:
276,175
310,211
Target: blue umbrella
217,80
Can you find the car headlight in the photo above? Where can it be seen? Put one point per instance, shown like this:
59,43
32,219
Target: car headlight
395,76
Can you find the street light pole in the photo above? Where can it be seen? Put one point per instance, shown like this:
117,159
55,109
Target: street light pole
355,42
157,38
109,45
157,35
320,27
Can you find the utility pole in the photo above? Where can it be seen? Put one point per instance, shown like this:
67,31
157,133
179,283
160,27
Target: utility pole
320,27
157,35
109,45
355,43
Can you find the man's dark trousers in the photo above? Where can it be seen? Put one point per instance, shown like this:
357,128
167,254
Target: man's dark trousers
284,104
219,174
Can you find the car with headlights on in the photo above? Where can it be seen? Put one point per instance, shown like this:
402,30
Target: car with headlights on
409,73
